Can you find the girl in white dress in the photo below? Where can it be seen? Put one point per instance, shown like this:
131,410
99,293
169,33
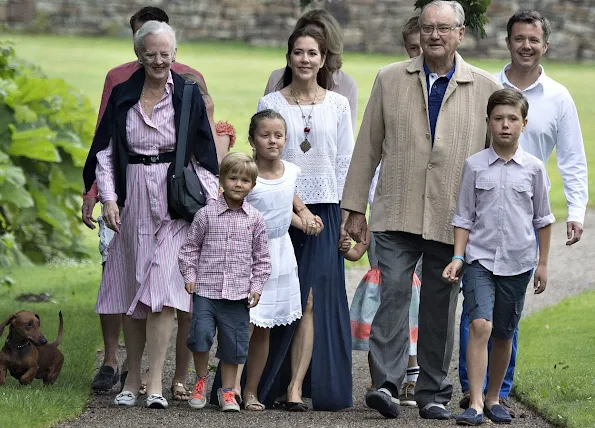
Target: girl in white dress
273,195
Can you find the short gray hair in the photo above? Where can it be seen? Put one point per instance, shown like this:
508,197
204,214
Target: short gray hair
455,5
153,27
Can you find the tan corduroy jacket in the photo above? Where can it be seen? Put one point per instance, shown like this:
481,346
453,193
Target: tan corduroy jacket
418,184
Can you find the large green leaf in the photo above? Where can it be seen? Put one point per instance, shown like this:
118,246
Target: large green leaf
24,114
34,144
12,194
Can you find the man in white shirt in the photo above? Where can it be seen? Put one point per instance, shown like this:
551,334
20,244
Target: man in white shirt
552,123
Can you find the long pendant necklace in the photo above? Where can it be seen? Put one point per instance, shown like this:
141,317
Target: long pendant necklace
305,145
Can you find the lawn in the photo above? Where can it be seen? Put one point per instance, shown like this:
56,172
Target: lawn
555,364
236,75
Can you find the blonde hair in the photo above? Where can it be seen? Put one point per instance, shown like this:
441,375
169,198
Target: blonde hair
238,163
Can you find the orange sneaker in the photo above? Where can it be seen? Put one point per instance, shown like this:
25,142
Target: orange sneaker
198,399
227,400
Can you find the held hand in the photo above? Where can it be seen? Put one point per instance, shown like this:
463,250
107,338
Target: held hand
452,271
574,232
189,287
357,227
111,214
540,279
345,244
87,212
253,299
320,227
309,223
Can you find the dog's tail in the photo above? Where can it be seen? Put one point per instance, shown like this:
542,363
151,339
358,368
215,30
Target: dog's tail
60,331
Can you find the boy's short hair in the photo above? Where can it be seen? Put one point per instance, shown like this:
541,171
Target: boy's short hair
238,163
508,97
411,27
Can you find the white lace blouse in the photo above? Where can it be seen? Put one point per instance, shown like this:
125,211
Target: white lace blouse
324,167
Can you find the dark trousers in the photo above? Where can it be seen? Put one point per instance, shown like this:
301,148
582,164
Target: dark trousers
398,253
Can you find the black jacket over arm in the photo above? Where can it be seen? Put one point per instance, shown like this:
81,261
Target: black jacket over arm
113,127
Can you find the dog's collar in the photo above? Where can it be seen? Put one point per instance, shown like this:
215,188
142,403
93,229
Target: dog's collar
15,346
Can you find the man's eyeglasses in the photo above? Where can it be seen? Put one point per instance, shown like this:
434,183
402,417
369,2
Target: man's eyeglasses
442,30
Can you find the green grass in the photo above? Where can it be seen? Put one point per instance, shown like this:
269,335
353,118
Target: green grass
555,371
236,75
73,291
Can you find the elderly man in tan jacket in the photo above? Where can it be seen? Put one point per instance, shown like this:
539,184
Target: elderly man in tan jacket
425,116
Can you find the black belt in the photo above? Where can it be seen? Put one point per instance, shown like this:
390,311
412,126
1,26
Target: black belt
148,160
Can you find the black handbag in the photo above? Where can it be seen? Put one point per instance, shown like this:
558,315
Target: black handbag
185,195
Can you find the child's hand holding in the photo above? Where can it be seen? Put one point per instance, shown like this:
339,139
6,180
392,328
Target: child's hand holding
253,299
452,271
189,287
540,279
345,244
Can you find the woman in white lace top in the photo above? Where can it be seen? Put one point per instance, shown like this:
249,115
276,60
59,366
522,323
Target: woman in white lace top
320,143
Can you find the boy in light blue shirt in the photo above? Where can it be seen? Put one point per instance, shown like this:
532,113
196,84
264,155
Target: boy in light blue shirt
503,199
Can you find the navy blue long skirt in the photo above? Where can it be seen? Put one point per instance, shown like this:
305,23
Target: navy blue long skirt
320,268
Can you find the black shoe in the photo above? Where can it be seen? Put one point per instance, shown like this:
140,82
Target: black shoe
470,417
498,414
105,379
384,403
434,412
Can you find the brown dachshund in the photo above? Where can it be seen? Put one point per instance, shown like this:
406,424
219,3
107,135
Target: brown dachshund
27,353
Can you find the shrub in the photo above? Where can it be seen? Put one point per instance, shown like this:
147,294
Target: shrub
45,129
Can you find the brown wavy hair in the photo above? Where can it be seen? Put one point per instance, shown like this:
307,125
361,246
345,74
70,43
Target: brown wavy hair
324,76
331,30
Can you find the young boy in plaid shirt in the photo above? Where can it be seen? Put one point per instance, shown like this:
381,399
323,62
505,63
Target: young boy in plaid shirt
225,262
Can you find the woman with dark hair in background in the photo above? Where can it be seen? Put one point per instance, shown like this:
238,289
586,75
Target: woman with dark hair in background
322,21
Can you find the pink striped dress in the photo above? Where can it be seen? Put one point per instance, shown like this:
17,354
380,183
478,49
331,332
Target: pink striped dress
141,273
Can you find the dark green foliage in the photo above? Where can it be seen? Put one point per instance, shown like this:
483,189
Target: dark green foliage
45,129
475,11
305,3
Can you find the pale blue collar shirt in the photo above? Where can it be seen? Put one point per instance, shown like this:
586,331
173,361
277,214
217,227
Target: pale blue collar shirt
501,203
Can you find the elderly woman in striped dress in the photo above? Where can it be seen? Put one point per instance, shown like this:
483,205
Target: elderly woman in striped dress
131,152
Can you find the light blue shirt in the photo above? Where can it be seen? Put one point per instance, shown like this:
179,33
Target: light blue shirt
501,203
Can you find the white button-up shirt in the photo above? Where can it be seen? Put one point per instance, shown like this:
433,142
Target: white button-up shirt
553,122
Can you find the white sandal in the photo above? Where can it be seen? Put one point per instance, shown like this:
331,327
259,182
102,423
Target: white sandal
125,398
156,401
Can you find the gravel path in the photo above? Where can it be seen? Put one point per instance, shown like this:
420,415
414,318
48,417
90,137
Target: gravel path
569,275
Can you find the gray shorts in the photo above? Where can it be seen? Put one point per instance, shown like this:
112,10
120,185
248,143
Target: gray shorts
230,319
498,299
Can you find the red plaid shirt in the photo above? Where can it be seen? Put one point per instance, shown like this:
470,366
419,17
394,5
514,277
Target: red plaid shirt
226,254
